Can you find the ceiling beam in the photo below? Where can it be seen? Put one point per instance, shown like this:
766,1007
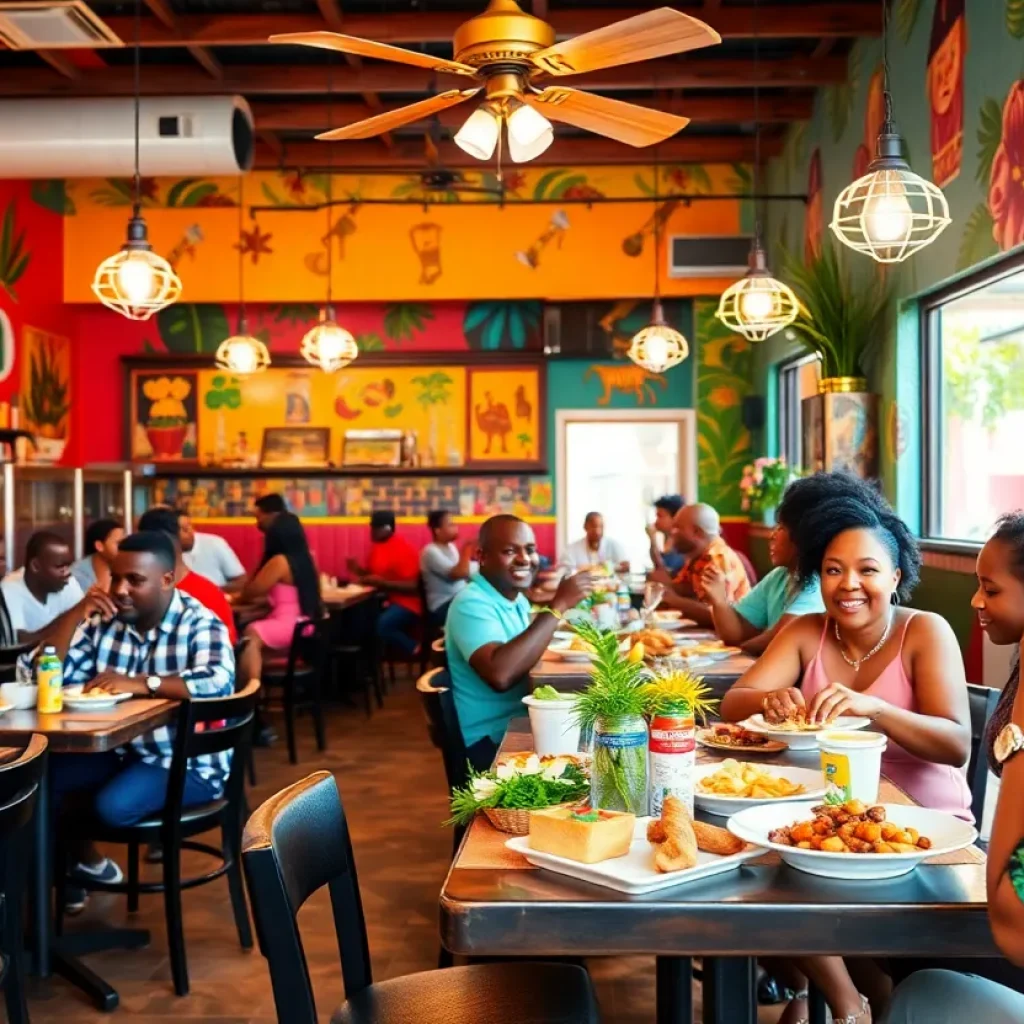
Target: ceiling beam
163,13
312,116
60,64
690,73
365,156
806,21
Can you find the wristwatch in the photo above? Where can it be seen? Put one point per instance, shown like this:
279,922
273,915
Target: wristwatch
153,683
1009,741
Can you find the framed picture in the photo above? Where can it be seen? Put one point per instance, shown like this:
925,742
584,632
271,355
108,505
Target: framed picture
163,420
375,448
505,418
296,448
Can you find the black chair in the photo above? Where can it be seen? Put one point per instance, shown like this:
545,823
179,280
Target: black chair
438,654
300,677
19,785
297,843
434,688
983,701
227,726
430,629
355,651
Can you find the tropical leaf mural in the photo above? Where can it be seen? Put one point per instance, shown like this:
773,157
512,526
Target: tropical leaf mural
370,342
14,257
794,148
192,327
500,325
990,134
121,192
564,184
840,98
404,320
905,14
724,379
196,192
1015,18
977,243
52,195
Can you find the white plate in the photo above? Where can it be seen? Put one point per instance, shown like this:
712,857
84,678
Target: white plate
564,654
76,701
723,806
635,872
803,740
946,832
4,708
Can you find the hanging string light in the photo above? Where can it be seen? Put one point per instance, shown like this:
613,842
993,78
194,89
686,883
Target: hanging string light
136,282
758,305
890,213
242,353
329,345
658,347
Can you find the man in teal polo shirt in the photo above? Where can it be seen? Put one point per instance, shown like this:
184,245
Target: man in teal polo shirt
490,641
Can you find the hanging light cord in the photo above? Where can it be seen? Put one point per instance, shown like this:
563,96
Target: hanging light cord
889,128
330,183
757,124
241,256
137,79
656,312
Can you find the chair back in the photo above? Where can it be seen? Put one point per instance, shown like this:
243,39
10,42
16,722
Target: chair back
983,701
439,654
748,568
294,844
443,724
310,646
19,787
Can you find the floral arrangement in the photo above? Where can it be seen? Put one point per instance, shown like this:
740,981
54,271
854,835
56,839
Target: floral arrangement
167,396
675,687
764,483
529,783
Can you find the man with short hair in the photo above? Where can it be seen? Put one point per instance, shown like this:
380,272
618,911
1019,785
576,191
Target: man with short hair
663,553
490,641
594,548
211,556
101,540
44,589
698,538
444,568
267,509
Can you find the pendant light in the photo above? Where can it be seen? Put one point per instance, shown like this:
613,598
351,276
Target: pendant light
136,282
329,345
758,305
891,212
242,354
658,347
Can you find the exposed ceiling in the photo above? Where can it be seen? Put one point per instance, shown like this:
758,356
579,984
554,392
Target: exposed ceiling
199,47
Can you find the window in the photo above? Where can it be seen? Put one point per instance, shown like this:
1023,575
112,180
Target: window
974,409
798,379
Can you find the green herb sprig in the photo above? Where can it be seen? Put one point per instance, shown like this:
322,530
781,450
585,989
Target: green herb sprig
518,792
615,690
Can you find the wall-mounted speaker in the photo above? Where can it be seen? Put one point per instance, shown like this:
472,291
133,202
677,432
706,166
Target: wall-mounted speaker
753,412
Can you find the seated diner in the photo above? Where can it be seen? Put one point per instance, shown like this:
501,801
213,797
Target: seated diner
445,568
43,590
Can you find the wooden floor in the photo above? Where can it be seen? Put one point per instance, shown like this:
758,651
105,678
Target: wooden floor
392,783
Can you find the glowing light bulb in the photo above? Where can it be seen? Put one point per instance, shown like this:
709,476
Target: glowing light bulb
479,135
135,278
755,304
529,134
888,217
242,354
656,350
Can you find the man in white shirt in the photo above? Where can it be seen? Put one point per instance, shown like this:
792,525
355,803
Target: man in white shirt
42,591
210,556
594,548
444,568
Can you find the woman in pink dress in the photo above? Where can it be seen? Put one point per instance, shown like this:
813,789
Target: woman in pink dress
287,580
867,656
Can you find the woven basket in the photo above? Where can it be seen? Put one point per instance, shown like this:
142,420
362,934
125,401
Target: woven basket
515,821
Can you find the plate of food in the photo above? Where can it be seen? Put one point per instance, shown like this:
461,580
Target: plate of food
799,734
730,786
77,699
670,620
629,854
658,643
852,840
576,649
734,739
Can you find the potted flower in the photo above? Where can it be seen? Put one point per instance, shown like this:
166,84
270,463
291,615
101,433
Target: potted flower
46,404
763,485
167,422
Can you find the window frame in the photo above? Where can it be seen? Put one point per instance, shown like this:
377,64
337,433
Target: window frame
787,370
930,330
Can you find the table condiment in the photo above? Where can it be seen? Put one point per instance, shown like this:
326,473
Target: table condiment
50,680
673,747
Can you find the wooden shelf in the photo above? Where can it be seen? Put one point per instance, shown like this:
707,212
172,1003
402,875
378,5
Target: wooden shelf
155,471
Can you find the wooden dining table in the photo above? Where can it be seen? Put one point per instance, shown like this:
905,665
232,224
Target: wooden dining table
494,903
78,732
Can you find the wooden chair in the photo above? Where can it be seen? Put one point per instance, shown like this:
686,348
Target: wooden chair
19,786
983,701
297,843
434,688
227,725
438,654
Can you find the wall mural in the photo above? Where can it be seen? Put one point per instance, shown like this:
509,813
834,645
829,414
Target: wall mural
724,379
14,253
46,392
947,51
627,379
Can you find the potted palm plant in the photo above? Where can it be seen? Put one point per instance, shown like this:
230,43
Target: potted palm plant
842,324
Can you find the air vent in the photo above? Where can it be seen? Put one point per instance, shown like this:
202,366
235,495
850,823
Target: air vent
708,255
57,25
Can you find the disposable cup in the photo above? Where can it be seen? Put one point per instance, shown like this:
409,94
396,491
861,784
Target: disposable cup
554,729
852,764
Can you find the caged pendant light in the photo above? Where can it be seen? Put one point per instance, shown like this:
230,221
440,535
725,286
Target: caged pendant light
329,345
758,305
136,282
243,353
658,347
890,213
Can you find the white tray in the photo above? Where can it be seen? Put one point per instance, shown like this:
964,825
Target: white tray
634,873
75,701
804,740
723,806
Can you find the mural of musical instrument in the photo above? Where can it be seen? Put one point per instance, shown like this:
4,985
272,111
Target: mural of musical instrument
426,243
187,246
556,228
634,244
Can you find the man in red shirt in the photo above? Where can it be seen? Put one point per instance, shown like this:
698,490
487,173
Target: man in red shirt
206,592
394,567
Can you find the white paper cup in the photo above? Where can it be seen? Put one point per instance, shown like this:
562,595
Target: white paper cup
852,764
19,695
554,730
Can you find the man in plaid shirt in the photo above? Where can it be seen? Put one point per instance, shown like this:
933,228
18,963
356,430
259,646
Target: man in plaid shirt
146,638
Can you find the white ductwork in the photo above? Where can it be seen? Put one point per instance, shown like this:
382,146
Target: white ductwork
85,138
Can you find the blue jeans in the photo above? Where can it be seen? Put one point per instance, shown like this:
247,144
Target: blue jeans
944,997
126,791
394,628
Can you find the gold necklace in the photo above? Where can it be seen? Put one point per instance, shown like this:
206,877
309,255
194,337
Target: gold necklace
855,663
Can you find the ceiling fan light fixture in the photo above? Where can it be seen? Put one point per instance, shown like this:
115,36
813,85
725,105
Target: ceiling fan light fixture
479,135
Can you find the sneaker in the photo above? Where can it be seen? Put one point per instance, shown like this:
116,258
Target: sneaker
105,871
75,900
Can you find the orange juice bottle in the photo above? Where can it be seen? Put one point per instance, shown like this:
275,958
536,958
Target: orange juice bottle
50,680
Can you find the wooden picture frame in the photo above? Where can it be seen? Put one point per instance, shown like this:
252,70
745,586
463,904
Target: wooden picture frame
296,448
515,421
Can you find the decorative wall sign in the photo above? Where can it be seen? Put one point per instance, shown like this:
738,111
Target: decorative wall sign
947,52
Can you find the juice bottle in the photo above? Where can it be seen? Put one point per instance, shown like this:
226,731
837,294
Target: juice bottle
50,680
673,747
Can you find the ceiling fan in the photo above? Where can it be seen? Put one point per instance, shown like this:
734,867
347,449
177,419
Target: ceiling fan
438,178
506,50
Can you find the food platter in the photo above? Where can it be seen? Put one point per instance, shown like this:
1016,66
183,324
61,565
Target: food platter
564,652
806,738
76,700
946,833
635,872
708,738
723,806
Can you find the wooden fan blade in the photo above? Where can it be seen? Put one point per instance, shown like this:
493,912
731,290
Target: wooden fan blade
625,122
390,119
368,48
654,34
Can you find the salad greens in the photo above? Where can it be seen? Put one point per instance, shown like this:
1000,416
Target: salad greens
548,692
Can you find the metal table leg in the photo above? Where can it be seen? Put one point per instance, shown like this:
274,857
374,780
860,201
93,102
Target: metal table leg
674,990
41,877
729,995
